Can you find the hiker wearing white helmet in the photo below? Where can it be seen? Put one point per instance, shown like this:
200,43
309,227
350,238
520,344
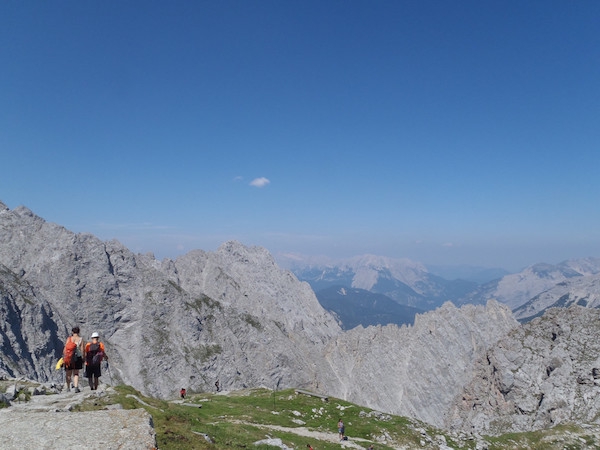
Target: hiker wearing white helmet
94,355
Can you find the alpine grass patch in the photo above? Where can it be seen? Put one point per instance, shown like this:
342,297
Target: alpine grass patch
239,419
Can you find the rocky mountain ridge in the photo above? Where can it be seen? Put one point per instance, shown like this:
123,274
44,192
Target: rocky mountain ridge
160,334
418,370
231,315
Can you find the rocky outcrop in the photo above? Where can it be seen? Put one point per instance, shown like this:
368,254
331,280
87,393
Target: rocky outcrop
118,429
542,374
415,371
43,418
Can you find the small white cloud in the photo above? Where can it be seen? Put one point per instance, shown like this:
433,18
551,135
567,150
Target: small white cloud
260,182
238,178
448,244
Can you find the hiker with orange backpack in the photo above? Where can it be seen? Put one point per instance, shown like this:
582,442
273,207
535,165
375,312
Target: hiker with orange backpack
73,358
94,355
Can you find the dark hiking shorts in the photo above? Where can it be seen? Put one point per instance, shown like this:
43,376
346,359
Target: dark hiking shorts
92,370
76,364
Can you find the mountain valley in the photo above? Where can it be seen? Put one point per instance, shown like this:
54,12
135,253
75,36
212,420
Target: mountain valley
529,292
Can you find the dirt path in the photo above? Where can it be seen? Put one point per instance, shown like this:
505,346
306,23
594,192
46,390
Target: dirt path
314,434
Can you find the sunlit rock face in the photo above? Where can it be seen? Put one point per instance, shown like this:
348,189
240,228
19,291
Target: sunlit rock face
231,315
416,371
542,374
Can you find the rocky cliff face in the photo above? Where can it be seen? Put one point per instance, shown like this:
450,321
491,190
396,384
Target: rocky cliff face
249,281
166,325
542,374
29,331
231,315
415,371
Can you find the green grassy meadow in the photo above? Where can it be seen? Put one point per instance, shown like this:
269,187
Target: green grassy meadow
237,420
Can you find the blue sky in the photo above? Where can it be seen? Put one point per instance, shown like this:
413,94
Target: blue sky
448,132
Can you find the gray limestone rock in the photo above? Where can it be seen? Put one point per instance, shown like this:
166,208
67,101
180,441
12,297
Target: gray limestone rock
540,375
165,325
11,392
115,429
415,371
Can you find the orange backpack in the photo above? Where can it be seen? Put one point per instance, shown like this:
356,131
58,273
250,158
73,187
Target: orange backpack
69,352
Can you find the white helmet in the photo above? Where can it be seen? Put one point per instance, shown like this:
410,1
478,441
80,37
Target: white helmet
95,335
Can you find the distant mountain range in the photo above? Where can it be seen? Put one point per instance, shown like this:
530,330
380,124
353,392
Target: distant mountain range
582,290
542,286
372,289
404,281
414,286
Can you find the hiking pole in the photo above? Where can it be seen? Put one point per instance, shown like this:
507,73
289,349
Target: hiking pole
109,374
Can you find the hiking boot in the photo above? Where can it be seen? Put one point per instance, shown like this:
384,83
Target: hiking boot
77,389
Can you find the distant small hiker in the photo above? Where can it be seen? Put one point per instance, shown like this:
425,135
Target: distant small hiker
309,447
73,358
94,355
371,447
341,429
217,385
182,393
